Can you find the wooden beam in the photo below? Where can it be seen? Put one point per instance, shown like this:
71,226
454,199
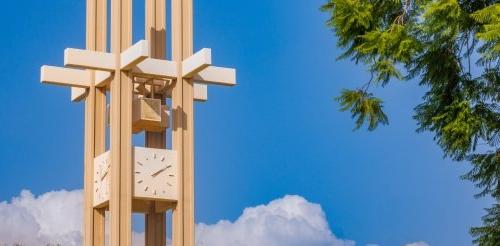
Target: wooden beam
99,148
99,224
65,76
89,59
178,122
134,55
200,92
196,63
182,130
94,219
156,68
216,75
155,231
188,129
89,155
78,94
120,203
102,78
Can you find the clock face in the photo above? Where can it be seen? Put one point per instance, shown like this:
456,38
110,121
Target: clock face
155,174
102,165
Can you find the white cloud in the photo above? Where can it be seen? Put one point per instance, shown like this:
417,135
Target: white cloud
420,243
288,221
56,217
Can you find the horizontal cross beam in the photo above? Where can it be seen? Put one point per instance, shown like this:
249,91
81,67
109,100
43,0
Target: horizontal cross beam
151,67
196,63
134,55
86,59
73,77
197,67
217,75
200,93
66,76
95,60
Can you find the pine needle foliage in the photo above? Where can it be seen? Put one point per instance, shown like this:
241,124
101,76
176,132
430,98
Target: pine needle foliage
489,234
452,47
364,107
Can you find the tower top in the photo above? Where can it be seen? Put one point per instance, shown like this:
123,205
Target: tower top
136,80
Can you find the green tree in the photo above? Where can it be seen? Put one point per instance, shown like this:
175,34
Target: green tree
452,47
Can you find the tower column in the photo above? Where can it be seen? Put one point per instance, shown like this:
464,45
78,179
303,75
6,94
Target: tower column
182,130
155,222
94,136
120,203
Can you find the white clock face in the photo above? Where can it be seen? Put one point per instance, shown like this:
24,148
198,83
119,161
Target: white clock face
102,167
155,172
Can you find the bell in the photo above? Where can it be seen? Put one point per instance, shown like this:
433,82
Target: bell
148,114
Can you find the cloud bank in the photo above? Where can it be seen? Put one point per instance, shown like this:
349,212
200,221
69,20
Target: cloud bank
288,221
418,244
55,218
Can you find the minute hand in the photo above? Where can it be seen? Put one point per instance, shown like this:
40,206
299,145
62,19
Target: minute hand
159,171
104,175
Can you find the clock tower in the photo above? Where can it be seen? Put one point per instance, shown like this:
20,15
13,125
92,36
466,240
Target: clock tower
131,89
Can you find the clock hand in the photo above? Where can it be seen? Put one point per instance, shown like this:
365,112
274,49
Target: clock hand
104,175
157,172
161,170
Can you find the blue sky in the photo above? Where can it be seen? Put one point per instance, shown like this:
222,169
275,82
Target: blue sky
277,132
